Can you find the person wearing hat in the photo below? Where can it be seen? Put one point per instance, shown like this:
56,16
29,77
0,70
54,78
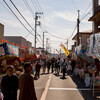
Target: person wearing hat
9,84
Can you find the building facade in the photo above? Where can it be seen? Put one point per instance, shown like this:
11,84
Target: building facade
17,40
83,37
1,32
96,16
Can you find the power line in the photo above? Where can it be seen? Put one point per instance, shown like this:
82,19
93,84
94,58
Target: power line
17,17
11,14
74,4
34,5
28,7
37,6
87,8
53,35
51,30
22,15
86,15
72,32
24,18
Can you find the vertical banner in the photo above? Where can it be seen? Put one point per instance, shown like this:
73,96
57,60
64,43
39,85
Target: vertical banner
57,51
65,50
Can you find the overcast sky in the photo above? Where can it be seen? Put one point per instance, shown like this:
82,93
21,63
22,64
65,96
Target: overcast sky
59,19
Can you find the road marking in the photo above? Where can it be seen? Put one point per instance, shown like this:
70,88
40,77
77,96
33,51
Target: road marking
69,89
43,97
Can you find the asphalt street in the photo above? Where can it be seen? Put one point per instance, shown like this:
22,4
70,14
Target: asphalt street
52,87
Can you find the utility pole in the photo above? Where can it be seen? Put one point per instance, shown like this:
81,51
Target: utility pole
78,22
43,39
36,23
47,44
67,43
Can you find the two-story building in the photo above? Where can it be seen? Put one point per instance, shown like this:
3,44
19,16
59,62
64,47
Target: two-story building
96,16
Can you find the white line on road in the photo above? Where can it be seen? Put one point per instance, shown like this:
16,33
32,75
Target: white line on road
69,89
43,97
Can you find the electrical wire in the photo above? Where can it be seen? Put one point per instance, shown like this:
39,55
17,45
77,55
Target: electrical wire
51,30
19,20
74,4
53,35
37,5
24,18
72,33
27,5
22,15
87,8
17,17
85,15
34,5
29,8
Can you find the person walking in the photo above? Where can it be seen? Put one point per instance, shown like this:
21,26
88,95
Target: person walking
48,65
73,64
59,65
64,66
53,62
9,84
38,66
26,84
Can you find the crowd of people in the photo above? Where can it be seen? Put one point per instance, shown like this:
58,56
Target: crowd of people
25,81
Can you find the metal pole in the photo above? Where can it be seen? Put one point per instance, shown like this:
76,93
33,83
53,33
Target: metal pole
67,43
43,41
35,29
78,28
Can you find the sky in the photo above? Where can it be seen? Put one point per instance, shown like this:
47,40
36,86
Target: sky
58,20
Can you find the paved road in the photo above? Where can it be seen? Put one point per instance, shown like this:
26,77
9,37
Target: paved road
51,87
71,88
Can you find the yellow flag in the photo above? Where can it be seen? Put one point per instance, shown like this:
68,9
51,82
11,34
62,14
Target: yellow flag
57,51
65,50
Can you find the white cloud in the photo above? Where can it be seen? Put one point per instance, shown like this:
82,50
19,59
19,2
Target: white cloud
66,15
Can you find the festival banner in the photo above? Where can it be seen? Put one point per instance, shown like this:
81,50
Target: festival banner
8,49
13,50
65,50
57,51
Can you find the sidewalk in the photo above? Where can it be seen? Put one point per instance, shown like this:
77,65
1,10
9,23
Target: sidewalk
87,94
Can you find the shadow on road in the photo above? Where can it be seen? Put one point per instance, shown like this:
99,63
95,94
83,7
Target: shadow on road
87,94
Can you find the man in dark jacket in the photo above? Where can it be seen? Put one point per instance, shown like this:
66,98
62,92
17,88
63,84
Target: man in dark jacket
9,85
26,84
38,66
